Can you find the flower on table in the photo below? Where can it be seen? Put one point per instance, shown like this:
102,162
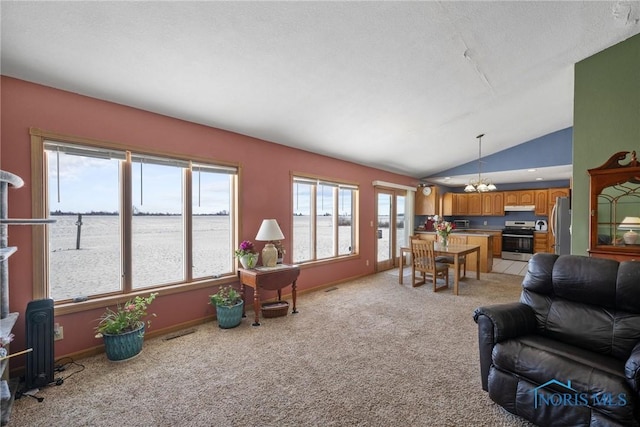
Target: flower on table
246,248
444,228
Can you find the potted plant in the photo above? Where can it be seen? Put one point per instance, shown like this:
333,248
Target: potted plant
122,330
247,254
228,303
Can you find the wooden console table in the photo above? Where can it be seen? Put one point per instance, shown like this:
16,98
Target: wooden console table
271,279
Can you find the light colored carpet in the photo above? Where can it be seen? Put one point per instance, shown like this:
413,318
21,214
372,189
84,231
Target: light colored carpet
369,353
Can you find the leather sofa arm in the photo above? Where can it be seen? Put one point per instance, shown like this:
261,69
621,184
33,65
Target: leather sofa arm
497,323
632,369
508,320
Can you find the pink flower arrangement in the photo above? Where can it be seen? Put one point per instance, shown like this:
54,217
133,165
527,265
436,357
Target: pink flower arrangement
246,248
444,228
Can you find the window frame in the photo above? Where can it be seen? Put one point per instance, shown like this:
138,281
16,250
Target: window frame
315,181
40,209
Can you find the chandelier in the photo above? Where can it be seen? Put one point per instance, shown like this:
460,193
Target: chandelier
480,185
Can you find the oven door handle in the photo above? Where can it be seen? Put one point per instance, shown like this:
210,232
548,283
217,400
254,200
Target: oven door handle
526,236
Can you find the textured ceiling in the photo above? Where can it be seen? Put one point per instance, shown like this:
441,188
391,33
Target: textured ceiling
401,86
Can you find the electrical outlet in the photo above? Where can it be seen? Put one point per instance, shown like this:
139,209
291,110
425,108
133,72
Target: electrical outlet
367,263
58,332
485,223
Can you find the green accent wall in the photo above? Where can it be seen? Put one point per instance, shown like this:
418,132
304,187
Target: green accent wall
606,119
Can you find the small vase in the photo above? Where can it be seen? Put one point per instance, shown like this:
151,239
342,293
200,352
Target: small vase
249,260
444,240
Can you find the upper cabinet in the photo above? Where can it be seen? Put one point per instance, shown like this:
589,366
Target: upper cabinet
474,204
493,204
427,201
519,198
541,202
614,203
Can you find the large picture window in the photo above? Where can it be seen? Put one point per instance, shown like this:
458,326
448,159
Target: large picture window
127,221
324,219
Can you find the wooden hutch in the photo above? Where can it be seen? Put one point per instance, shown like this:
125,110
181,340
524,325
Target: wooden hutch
615,196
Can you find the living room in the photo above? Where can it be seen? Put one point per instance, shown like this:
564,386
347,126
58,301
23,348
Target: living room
605,120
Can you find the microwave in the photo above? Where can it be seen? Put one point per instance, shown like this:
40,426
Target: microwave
461,224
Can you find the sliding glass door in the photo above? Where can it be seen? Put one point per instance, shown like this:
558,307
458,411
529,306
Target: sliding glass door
390,227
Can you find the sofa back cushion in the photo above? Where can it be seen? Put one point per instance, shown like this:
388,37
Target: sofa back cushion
592,303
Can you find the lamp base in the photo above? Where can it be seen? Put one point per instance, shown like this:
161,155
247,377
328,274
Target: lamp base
269,255
630,237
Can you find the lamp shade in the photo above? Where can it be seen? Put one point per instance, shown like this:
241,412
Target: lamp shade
630,223
269,230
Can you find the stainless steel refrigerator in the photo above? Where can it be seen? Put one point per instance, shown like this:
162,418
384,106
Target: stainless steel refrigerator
561,225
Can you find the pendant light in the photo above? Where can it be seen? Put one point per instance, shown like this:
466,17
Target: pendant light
480,185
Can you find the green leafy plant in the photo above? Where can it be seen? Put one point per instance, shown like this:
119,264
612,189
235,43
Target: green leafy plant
126,317
226,295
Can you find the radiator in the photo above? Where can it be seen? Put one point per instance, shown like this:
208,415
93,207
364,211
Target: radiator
39,317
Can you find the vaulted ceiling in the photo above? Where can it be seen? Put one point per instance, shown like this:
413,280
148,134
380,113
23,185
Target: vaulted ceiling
401,86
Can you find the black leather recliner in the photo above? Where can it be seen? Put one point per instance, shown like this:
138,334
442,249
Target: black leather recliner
568,354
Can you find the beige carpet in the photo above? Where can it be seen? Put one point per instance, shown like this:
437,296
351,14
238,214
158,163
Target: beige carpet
368,353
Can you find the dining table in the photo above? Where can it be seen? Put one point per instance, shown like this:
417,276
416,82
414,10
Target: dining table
457,251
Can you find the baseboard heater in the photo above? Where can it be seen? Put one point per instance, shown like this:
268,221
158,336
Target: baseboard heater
39,369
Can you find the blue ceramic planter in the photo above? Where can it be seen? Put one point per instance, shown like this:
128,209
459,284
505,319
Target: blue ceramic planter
124,346
229,316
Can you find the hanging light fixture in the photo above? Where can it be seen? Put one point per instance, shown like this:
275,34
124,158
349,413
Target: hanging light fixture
480,185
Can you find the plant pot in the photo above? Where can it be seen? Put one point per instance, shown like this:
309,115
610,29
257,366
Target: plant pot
229,316
124,346
249,261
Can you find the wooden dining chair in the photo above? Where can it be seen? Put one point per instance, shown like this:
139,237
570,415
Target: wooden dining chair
423,261
447,259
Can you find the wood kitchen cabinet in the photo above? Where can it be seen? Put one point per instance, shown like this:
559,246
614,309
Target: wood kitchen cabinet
519,198
462,204
455,204
540,242
427,205
510,198
493,204
556,192
541,202
526,197
474,204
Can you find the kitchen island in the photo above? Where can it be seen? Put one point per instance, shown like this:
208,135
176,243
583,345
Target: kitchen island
484,240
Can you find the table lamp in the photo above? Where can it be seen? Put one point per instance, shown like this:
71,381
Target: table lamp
269,231
630,223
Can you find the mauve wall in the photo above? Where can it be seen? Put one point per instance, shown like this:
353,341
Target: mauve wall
265,191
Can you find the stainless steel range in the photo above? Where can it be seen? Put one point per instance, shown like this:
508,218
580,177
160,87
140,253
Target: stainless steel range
517,240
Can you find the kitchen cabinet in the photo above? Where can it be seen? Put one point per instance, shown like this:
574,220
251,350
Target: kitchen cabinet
541,202
493,204
427,204
519,198
540,242
510,198
474,204
447,204
526,197
497,243
455,204
462,204
557,192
